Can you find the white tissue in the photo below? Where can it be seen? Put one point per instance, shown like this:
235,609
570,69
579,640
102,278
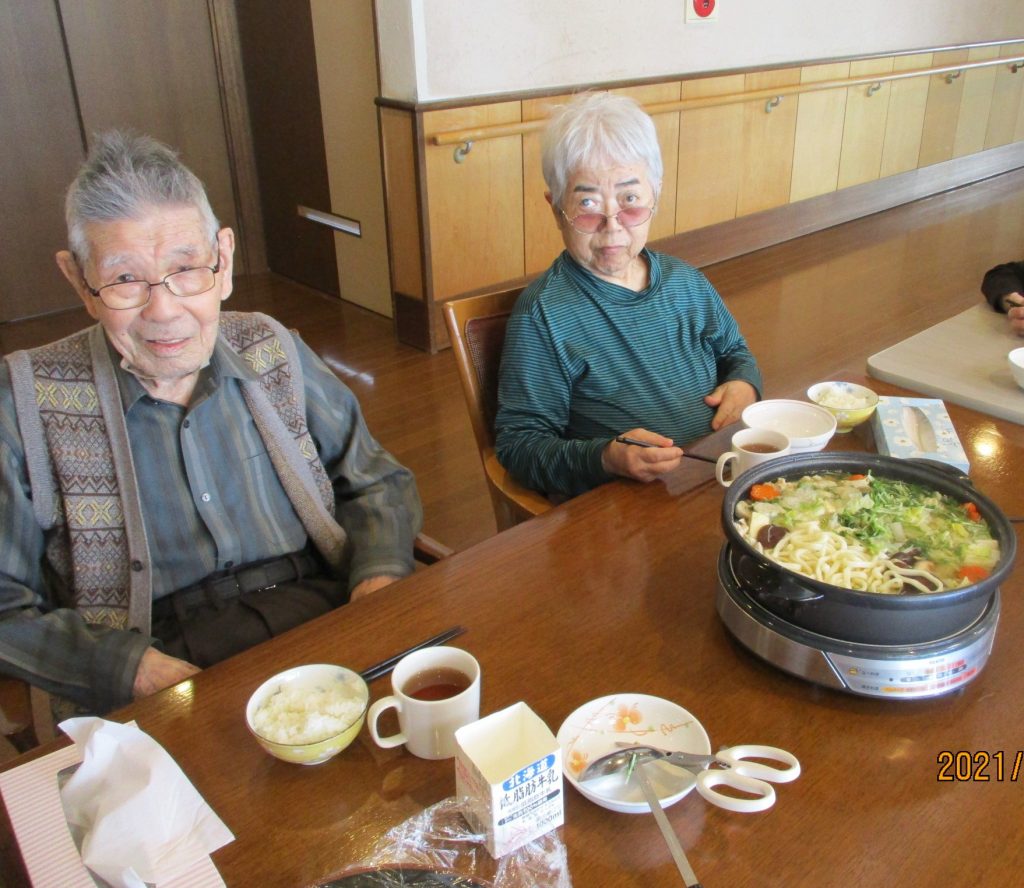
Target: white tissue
140,817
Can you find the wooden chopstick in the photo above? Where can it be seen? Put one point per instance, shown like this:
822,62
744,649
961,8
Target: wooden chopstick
385,666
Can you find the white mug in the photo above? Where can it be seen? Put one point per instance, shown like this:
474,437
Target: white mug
750,447
435,692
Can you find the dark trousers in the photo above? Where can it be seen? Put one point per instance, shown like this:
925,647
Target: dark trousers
224,615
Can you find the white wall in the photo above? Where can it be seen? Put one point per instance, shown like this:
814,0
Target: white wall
441,49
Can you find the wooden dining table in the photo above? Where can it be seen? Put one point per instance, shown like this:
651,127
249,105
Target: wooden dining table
614,592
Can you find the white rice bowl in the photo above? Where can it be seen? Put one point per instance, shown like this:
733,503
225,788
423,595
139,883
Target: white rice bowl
308,714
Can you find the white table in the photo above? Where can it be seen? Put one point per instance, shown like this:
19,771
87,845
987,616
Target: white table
962,359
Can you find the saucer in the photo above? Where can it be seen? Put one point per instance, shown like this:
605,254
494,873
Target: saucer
596,727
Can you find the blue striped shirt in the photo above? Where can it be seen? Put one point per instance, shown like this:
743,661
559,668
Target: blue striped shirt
585,360
210,500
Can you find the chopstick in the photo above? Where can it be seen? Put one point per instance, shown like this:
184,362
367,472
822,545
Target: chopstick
385,666
636,442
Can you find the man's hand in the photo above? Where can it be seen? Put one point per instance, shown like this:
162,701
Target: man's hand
157,671
370,585
641,463
1013,303
730,398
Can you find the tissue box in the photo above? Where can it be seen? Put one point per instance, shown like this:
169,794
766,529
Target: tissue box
509,768
893,425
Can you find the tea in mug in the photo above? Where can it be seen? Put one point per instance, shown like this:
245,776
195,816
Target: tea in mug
436,684
761,448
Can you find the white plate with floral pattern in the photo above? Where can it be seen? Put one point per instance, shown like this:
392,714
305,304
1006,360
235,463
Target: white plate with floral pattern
598,726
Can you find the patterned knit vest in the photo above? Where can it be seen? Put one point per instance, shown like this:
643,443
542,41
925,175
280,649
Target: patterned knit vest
80,464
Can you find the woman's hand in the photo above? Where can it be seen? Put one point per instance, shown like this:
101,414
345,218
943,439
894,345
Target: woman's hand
730,398
641,463
1013,303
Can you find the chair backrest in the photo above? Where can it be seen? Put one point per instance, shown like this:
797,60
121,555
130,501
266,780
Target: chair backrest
476,326
16,721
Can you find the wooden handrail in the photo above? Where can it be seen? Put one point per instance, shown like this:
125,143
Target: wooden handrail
474,134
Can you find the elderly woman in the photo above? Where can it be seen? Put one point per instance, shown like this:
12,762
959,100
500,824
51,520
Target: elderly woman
614,339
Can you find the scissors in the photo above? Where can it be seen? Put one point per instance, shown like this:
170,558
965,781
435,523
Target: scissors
735,770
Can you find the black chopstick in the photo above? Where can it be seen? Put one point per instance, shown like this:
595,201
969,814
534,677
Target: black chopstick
636,442
385,666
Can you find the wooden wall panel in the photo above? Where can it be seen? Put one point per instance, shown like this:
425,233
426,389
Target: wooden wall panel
667,125
1007,95
42,149
975,104
1018,130
710,155
475,212
819,133
543,238
864,128
163,83
905,120
942,111
398,147
732,171
767,145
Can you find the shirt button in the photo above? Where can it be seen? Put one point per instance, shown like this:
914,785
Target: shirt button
205,497
136,565
186,423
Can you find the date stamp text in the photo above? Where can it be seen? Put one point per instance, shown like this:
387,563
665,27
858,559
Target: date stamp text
981,766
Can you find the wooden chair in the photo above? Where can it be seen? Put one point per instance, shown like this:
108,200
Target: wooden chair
476,325
427,550
17,724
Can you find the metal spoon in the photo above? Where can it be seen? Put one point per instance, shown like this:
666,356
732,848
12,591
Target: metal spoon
618,761
639,760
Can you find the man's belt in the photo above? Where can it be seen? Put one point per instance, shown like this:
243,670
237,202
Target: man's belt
223,586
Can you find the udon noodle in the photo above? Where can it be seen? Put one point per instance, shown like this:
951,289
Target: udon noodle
868,534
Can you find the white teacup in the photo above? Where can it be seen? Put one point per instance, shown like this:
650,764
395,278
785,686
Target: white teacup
436,692
750,447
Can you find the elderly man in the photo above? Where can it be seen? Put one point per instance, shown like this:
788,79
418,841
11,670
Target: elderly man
176,484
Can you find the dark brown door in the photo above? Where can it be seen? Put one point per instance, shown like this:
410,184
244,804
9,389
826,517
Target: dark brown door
41,147
279,58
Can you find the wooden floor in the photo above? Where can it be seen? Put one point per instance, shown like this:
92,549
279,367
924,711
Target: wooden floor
807,308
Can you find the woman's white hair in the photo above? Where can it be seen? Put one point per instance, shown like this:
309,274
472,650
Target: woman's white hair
598,129
124,176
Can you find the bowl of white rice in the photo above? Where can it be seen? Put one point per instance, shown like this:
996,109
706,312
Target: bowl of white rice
848,402
309,713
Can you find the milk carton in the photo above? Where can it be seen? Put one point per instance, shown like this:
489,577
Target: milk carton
509,767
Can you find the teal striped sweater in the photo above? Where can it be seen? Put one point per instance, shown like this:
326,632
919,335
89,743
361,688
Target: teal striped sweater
585,360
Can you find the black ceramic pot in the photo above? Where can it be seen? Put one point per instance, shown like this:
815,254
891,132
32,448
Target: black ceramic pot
865,617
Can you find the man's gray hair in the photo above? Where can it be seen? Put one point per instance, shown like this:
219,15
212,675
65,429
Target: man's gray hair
124,176
598,129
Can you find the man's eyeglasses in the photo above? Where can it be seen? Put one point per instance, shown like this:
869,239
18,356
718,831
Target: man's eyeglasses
135,294
588,223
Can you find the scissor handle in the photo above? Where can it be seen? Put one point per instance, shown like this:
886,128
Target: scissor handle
737,758
764,792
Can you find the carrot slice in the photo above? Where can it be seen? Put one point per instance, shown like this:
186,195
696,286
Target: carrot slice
972,511
857,477
762,492
973,572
